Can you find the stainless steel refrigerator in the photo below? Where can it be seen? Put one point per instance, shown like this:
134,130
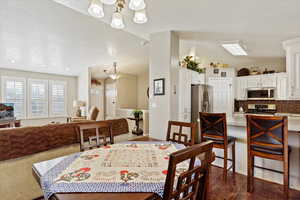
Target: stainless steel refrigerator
201,102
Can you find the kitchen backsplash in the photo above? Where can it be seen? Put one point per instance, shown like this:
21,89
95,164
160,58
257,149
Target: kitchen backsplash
287,106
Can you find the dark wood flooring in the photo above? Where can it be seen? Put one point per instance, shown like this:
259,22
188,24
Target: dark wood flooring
235,188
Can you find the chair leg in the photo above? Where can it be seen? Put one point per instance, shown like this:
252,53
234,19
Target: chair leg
233,157
250,173
286,174
225,163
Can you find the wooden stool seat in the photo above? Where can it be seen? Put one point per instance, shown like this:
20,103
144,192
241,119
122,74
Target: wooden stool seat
269,150
230,140
267,137
213,127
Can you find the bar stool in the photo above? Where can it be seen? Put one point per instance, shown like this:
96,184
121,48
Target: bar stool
267,137
213,126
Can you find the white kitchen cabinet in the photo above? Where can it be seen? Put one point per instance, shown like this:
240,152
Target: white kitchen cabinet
241,88
268,81
282,87
197,78
253,81
292,48
223,101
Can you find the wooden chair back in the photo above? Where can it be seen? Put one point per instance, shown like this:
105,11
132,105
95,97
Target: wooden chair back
191,184
180,137
213,125
97,126
268,132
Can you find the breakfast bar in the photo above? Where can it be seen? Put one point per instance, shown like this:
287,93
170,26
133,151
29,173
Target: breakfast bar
237,127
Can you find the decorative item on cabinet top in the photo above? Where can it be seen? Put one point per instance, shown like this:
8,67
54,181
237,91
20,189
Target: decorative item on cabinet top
190,63
96,82
220,72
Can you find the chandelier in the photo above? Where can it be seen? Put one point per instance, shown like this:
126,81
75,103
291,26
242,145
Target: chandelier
138,6
113,74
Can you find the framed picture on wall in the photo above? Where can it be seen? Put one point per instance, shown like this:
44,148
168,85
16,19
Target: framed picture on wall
159,87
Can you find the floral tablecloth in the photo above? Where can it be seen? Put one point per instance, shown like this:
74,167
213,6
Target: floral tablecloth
125,167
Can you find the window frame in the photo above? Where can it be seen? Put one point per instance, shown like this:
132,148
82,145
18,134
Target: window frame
3,92
29,100
51,83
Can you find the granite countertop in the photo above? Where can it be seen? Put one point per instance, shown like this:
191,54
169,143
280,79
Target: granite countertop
239,119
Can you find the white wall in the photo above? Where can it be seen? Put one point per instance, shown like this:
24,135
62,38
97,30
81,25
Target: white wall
164,50
71,91
142,87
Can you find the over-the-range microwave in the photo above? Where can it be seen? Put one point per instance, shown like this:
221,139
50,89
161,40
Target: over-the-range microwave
261,93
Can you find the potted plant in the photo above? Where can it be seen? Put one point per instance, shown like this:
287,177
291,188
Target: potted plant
191,64
137,114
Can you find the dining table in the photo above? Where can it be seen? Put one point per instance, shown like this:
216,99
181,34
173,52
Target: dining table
40,169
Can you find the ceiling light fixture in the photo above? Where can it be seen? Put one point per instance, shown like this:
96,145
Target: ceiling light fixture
137,5
96,9
235,48
114,74
140,17
117,21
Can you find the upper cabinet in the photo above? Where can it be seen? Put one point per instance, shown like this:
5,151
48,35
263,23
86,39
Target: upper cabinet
261,81
292,48
268,80
241,88
254,82
282,86
279,81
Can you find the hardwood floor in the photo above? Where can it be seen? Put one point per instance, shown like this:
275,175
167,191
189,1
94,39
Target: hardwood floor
236,188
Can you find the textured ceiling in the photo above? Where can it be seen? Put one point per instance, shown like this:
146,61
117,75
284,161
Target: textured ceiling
48,36
43,36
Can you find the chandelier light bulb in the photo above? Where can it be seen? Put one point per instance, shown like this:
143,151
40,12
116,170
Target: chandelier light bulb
109,2
117,21
140,17
137,5
96,9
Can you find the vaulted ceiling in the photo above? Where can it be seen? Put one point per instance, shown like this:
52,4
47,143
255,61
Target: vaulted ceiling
205,24
44,36
48,36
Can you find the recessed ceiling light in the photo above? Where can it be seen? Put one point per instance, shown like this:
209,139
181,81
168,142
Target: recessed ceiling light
12,61
235,48
68,69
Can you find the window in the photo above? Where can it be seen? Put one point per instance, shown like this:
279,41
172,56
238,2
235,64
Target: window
38,98
13,91
58,98
35,98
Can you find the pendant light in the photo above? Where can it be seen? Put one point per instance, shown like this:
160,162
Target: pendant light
137,4
140,17
96,9
114,75
117,21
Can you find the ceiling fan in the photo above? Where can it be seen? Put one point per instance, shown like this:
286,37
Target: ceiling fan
114,75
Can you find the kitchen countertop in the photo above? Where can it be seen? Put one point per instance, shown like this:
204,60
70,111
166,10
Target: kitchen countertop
239,119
